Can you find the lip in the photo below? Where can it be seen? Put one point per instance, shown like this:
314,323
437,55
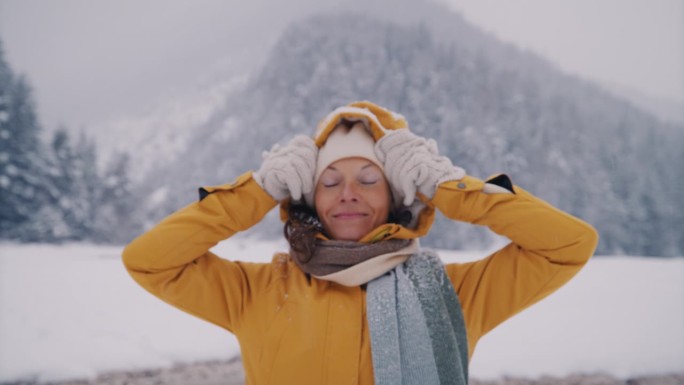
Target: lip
349,215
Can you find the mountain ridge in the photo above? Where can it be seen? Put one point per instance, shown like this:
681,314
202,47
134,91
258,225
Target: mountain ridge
491,106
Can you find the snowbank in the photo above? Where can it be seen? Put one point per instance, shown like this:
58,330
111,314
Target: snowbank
72,311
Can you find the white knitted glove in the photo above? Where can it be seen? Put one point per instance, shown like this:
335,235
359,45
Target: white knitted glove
288,171
412,163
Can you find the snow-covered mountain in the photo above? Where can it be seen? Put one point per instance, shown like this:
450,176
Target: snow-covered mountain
491,107
159,135
666,110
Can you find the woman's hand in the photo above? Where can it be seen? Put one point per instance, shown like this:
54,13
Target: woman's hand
288,171
413,163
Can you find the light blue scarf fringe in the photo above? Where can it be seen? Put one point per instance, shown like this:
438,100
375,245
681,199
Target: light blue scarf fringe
416,325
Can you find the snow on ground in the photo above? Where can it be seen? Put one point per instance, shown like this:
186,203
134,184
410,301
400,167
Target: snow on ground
72,311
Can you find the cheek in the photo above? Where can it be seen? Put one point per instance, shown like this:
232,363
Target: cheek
322,201
381,202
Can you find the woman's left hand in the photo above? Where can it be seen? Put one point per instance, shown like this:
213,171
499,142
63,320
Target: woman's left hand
412,163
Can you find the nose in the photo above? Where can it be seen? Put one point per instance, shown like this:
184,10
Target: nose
349,193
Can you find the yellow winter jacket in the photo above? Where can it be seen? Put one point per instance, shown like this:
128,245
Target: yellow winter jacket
294,329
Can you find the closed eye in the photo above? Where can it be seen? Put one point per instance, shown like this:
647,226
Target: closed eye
369,180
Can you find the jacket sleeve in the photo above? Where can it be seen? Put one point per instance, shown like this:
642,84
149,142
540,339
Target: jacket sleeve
548,247
173,262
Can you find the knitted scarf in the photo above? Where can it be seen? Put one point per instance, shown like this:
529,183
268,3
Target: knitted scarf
415,320
416,325
330,257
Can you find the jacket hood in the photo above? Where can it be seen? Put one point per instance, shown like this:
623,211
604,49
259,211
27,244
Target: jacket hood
378,121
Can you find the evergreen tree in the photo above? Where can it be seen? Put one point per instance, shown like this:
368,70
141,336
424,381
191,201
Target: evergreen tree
115,220
86,191
54,222
73,184
20,154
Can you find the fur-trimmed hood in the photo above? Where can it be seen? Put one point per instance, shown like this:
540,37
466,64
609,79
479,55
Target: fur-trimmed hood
378,121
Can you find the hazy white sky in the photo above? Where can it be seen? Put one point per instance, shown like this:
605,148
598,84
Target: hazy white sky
634,43
94,60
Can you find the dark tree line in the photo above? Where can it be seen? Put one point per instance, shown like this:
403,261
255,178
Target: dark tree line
54,191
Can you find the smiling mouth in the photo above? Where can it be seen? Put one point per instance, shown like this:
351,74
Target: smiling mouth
349,215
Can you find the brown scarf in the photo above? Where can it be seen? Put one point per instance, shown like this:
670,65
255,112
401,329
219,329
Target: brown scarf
334,256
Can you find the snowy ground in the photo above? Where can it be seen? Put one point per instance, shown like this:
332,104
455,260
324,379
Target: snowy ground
72,311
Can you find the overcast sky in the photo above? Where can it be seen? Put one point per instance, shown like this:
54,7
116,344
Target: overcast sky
90,61
634,43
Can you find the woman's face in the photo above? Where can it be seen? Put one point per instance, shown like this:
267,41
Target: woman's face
352,198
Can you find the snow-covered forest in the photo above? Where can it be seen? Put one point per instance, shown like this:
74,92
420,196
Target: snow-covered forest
51,188
491,107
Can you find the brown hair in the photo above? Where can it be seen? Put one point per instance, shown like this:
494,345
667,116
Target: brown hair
303,224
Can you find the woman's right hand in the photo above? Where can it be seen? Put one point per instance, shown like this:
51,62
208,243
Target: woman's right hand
288,171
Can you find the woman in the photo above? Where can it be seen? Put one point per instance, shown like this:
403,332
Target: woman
357,301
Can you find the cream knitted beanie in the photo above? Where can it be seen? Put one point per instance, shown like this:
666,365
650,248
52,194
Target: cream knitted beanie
351,139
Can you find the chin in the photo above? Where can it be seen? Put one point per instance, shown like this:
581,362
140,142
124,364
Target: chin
349,235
